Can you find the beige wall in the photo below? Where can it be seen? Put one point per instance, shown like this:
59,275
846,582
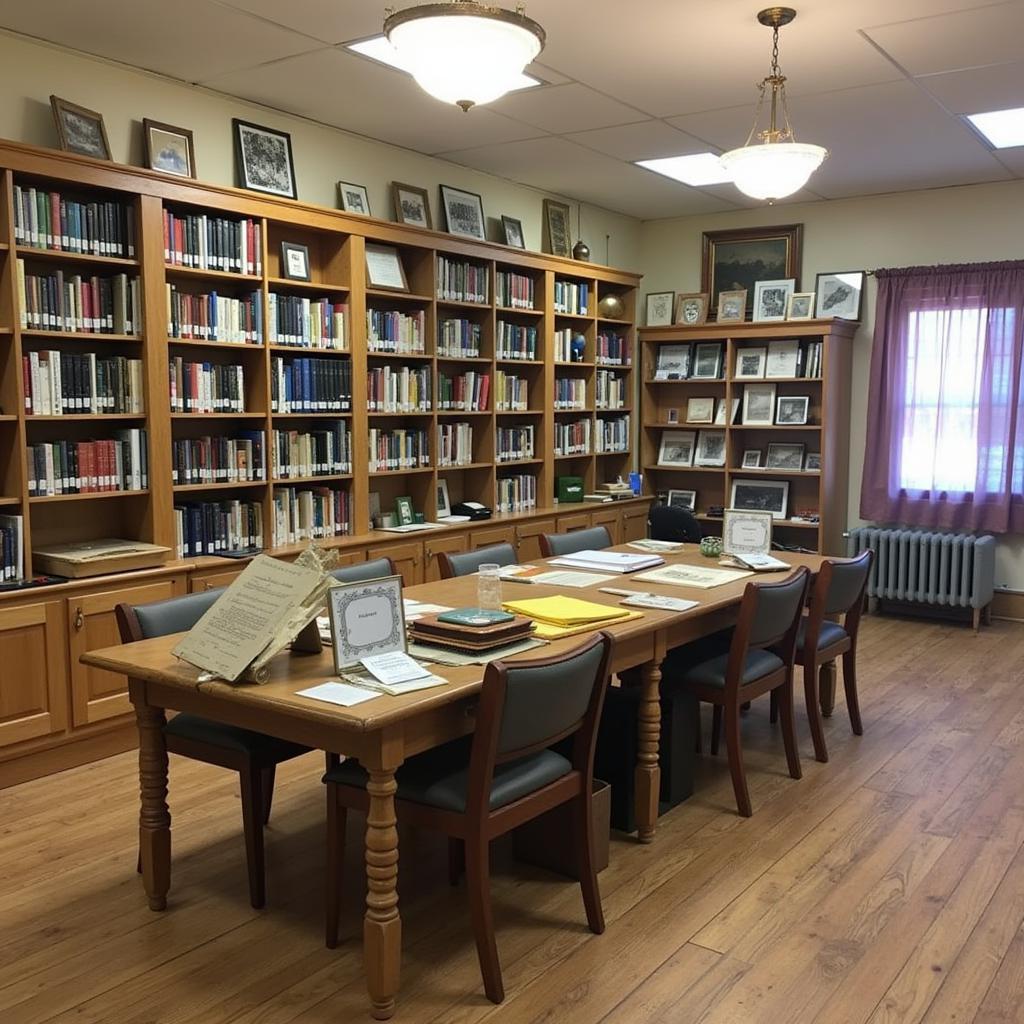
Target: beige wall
953,225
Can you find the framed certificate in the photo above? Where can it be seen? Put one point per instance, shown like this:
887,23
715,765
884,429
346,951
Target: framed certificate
746,532
366,618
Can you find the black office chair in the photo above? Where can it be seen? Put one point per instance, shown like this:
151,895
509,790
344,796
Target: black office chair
668,522
363,571
463,563
592,539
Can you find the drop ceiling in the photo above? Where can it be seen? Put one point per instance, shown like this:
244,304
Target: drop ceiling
880,83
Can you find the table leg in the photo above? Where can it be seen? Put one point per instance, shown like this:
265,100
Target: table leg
154,817
827,688
382,925
648,772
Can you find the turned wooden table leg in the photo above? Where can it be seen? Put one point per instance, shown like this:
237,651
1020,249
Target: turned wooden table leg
827,688
648,772
382,925
154,817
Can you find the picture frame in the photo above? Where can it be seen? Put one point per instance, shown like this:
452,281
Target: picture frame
758,405
707,361
786,456
800,306
840,294
783,359
812,462
463,213
512,228
750,363
720,411
682,499
558,229
760,496
79,129
692,309
404,511
295,261
263,159
676,448
710,448
746,532
751,459
367,617
412,205
700,410
771,299
792,410
732,307
658,306
672,362
384,268
168,148
672,416
354,198
442,500
740,257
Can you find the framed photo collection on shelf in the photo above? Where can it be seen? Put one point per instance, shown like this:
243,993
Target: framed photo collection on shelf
463,213
740,258
264,159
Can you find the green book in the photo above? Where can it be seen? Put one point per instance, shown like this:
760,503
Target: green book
481,617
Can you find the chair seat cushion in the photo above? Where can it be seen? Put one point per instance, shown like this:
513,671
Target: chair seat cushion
831,633
260,747
712,671
440,777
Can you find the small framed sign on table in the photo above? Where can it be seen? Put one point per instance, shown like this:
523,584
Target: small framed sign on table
366,618
746,532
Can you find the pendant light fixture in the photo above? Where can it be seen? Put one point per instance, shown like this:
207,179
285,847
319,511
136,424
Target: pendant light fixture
778,165
462,51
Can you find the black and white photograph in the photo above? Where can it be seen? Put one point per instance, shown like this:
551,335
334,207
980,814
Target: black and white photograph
750,363
720,411
783,359
513,229
682,499
751,459
443,503
812,463
758,404
659,309
412,205
79,129
792,411
557,231
771,299
168,148
676,448
672,416
801,306
707,361
692,309
840,295
761,496
673,362
354,198
789,457
463,213
295,261
732,307
264,159
700,410
710,448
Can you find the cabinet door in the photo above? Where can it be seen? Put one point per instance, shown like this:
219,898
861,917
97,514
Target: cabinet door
33,669
634,523
407,556
95,693
609,518
450,544
200,582
349,557
485,536
528,538
576,521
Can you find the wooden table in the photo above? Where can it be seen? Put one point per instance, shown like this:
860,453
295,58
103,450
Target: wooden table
383,732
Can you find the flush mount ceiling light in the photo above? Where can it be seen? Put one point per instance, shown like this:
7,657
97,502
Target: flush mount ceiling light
464,52
778,165
1003,129
695,169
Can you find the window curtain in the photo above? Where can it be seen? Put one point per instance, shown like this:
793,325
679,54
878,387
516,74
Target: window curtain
945,430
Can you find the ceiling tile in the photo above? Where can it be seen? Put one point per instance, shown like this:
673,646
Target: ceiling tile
643,141
326,20
1014,159
999,87
565,108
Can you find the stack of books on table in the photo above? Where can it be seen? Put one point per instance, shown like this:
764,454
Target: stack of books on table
471,629
609,561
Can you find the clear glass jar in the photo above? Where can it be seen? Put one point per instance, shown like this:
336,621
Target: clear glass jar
488,586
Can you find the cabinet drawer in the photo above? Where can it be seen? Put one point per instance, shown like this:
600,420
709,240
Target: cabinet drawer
576,521
450,544
407,556
201,582
528,538
609,518
485,536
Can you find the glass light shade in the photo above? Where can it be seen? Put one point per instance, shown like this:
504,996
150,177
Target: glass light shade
465,58
773,170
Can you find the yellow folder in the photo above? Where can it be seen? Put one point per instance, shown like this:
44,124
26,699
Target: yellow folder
567,611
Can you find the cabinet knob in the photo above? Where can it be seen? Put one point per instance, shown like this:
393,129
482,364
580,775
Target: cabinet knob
207,585
430,554
79,618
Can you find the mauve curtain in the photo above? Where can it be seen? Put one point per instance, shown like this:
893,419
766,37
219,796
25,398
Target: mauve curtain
945,430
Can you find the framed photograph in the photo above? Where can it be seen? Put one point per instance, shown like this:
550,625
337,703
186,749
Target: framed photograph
761,496
444,505
758,405
366,618
403,511
263,158
558,231
659,309
700,410
783,359
384,268
673,362
353,198
720,411
771,299
800,306
463,213
80,130
412,204
750,363
710,448
295,261
792,411
672,416
513,230
707,361
812,463
740,257
692,309
682,499
840,295
752,459
168,148
785,456
746,532
732,307
676,448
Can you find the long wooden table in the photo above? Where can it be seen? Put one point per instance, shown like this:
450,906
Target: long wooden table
383,732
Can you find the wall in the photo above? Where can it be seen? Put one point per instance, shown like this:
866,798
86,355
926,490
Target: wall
31,71
953,225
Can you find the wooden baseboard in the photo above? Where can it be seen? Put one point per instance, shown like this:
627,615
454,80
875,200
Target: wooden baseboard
78,751
1008,606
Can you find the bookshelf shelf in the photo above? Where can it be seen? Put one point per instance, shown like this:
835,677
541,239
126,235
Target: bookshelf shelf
214,416
8,417
464,359
6,500
317,287
518,462
401,472
785,427
463,412
520,362
513,310
233,346
462,304
469,465
80,336
330,478
395,296
90,496
86,417
307,415
173,270
218,485
519,412
302,350
391,415
29,252
421,356
583,318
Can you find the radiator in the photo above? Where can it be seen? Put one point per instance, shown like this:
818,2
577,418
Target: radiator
952,569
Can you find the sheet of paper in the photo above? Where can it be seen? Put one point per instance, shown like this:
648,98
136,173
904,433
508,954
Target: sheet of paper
395,667
668,604
439,656
339,693
691,576
507,571
657,546
423,608
568,578
363,681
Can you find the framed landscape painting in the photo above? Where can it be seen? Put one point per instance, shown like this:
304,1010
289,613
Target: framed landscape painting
738,258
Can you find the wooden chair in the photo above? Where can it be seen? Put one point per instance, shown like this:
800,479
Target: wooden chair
463,563
253,755
760,659
481,787
591,539
669,522
360,572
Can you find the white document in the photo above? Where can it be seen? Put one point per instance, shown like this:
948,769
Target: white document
365,681
410,528
422,608
563,578
343,694
759,563
657,546
692,576
393,668
782,359
667,604
608,561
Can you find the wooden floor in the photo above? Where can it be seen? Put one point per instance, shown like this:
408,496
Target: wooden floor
886,886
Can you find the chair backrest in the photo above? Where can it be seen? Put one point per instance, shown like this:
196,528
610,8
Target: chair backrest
375,569
838,590
175,615
463,563
591,539
668,522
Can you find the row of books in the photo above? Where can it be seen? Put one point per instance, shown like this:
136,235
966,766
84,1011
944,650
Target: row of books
461,280
393,450
516,291
322,452
219,460
205,387
809,363
209,316
613,350
66,383
514,443
517,493
511,393
396,331
467,392
516,342
782,358
51,220
213,243
12,548
118,463
613,434
572,297
310,385
454,444
307,513
59,302
307,323
458,337
565,351
398,389
573,437
570,393
610,390
214,527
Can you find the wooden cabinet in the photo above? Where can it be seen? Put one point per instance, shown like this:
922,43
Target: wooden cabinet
610,518
214,578
448,543
33,670
634,523
574,521
485,536
528,538
407,556
97,694
351,557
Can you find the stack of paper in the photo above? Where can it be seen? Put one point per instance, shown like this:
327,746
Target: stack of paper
609,561
555,617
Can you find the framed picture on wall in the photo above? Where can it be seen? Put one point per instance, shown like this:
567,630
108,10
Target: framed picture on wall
263,158
692,309
771,299
740,257
463,213
659,308
732,306
168,149
513,230
412,205
800,306
557,229
840,295
354,198
79,129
